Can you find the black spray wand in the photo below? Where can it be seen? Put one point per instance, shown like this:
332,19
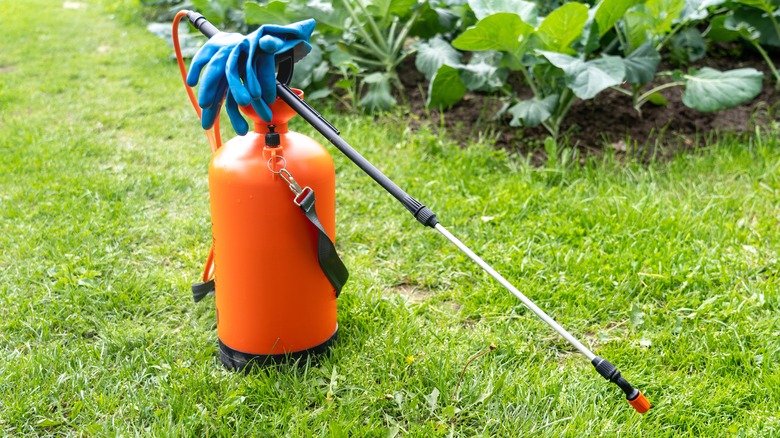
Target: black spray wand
427,217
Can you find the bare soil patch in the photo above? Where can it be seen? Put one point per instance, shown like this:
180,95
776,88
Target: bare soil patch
414,293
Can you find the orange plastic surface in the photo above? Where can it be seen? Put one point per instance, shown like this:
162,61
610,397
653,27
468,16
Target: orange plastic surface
640,403
272,296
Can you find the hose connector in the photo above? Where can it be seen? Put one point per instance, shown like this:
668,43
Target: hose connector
423,214
199,22
610,372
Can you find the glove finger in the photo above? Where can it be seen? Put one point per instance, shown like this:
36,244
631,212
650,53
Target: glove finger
252,60
209,115
305,28
270,43
261,77
198,62
294,36
266,71
299,30
212,87
211,112
201,58
252,87
236,119
236,73
262,109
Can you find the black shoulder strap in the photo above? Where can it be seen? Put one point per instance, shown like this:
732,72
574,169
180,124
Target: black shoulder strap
329,260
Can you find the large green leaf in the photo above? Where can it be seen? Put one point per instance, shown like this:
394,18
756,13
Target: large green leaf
328,18
533,112
564,25
697,9
274,12
608,13
764,5
433,21
504,32
688,46
378,96
712,90
755,25
483,72
524,9
719,32
310,68
385,8
341,58
664,13
446,88
214,11
588,78
741,27
434,53
642,64
638,25
650,21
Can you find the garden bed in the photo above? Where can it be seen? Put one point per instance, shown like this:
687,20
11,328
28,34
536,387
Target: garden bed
606,121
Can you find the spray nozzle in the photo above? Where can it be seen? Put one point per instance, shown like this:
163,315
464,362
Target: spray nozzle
272,138
640,403
611,373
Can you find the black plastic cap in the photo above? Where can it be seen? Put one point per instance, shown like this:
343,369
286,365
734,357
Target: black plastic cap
272,138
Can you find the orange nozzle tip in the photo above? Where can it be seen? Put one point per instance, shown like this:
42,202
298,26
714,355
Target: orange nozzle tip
640,403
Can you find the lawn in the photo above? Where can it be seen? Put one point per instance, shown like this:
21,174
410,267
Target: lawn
667,269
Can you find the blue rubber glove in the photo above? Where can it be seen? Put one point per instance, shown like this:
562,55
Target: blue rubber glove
242,69
251,68
213,85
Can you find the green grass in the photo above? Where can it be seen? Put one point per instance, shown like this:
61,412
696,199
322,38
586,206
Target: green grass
668,270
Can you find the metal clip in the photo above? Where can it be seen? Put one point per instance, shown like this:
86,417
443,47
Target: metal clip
288,178
300,193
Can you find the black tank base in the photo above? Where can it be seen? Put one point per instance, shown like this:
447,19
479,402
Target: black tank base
239,361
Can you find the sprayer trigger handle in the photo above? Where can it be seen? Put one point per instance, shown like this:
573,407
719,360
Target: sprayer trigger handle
285,65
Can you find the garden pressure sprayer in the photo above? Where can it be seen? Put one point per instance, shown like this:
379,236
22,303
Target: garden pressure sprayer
256,156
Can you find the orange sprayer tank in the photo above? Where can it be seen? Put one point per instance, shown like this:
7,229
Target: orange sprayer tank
272,298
